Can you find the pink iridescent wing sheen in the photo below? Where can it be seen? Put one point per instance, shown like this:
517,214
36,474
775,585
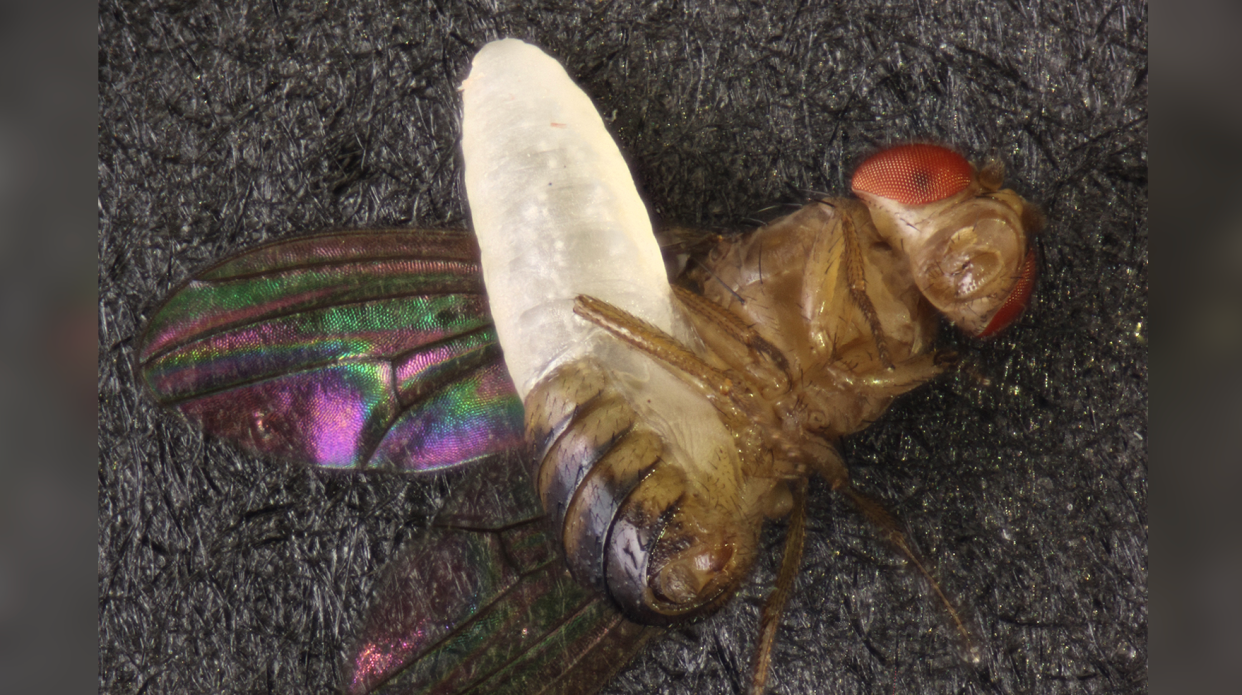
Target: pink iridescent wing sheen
375,349
366,349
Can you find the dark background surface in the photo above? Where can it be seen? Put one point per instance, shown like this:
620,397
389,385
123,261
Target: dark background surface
1023,477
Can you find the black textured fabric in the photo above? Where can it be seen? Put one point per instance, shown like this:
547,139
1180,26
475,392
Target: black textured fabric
1022,476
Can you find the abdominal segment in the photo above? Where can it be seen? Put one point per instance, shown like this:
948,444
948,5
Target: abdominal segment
652,509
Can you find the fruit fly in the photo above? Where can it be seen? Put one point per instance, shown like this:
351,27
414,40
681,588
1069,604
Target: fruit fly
633,436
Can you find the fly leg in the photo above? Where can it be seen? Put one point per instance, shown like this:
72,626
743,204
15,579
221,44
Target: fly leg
728,337
874,512
737,404
900,377
791,561
856,279
652,341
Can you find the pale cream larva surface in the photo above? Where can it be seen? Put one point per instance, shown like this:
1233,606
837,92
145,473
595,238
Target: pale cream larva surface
555,210
557,215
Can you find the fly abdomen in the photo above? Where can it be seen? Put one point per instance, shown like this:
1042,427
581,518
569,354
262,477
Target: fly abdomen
590,453
586,437
593,508
662,544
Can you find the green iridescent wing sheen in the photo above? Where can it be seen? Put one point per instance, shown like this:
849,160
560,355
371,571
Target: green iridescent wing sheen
351,349
375,349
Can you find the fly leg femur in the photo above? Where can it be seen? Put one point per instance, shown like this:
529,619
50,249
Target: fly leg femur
733,399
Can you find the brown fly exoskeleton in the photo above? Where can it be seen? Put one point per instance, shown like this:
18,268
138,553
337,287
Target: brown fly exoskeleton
810,326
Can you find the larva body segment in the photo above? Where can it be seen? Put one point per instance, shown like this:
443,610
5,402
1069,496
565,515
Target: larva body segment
554,208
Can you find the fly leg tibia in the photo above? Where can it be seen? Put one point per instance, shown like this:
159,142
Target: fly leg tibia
735,343
856,277
875,512
652,341
791,561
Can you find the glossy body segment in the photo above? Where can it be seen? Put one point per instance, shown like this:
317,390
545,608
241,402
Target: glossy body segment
351,349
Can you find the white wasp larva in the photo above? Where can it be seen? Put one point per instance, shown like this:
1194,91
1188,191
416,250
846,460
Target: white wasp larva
554,208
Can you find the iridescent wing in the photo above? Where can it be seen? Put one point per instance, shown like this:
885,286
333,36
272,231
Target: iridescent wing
353,349
376,350
482,603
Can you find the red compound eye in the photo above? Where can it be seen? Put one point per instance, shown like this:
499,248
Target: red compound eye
1016,303
913,174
